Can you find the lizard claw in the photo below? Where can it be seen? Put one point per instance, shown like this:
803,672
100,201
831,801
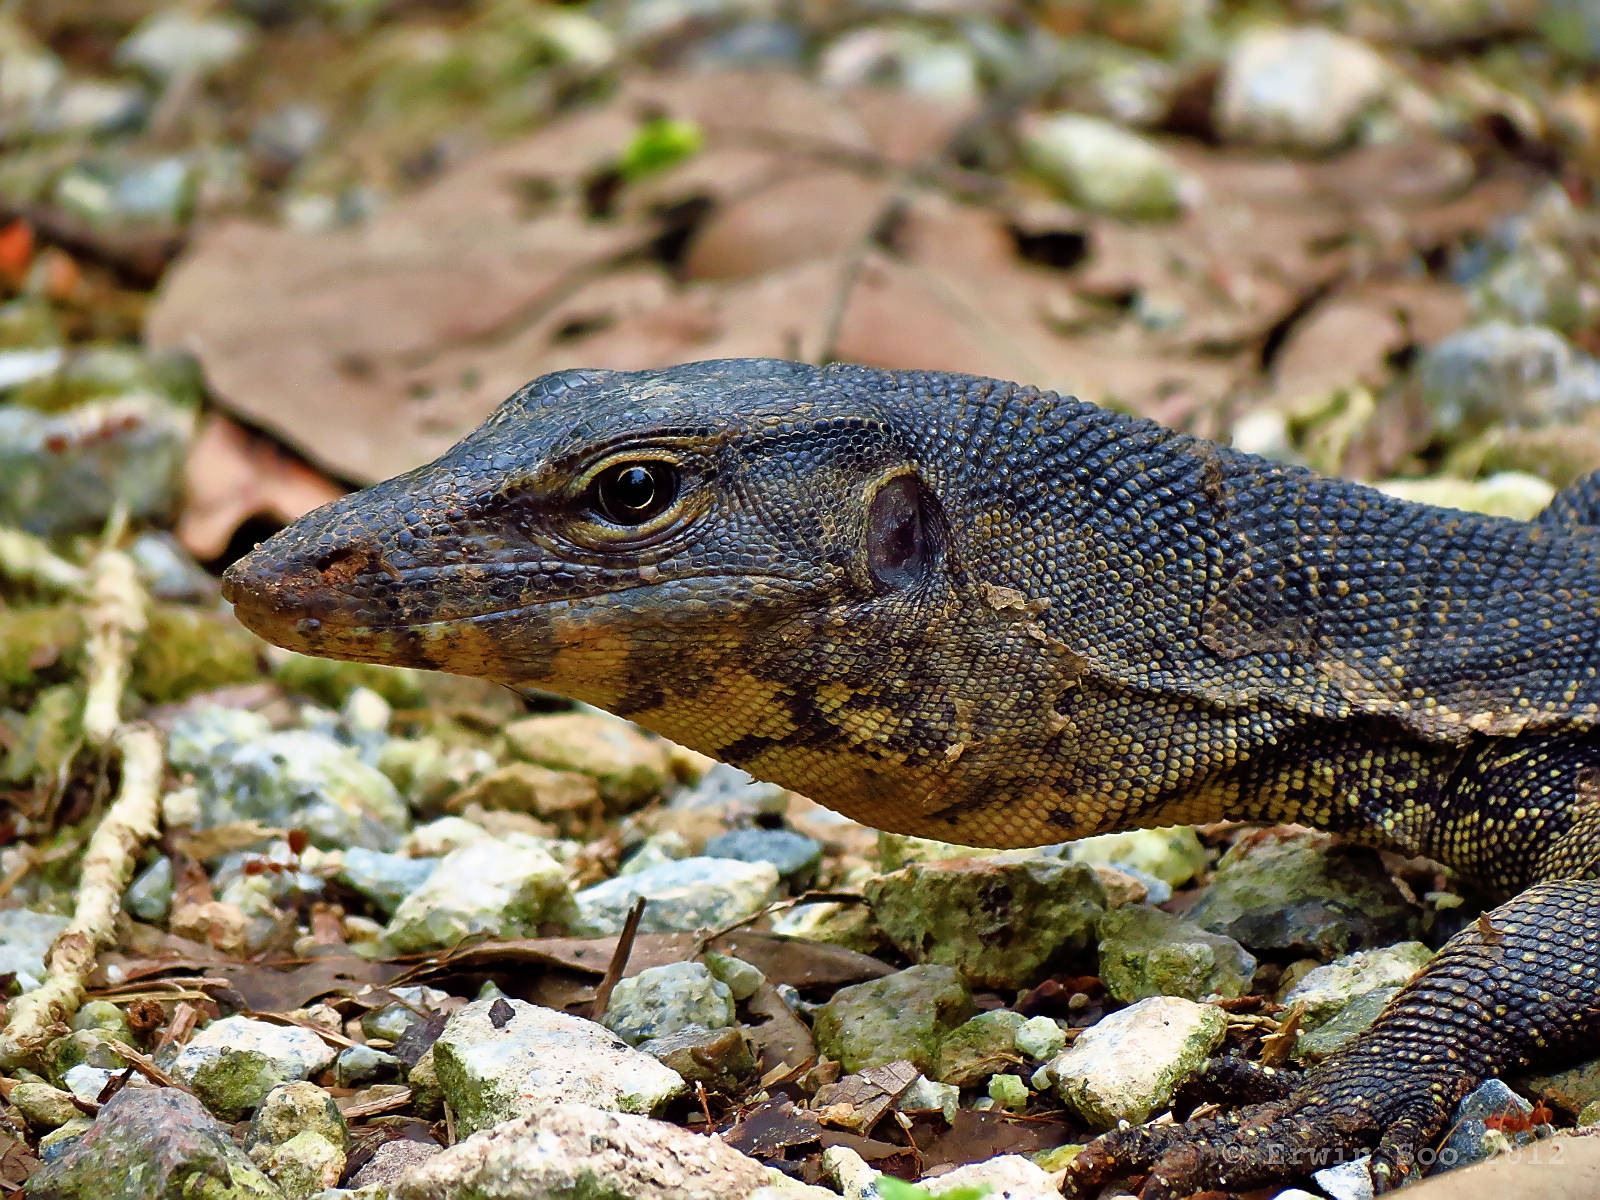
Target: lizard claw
1339,1111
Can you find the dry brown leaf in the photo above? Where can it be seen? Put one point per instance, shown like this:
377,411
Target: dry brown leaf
233,475
802,230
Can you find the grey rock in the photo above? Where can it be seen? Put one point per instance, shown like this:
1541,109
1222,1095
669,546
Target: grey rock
1104,168
628,766
1347,1180
358,1066
173,42
168,570
25,938
1147,952
287,134
904,1015
1040,1038
501,1059
1299,89
300,1139
93,107
295,1108
573,1150
693,893
667,999
385,879
293,779
742,978
1173,854
751,44
392,1162
1002,922
1471,1139
63,472
1340,1031
980,1048
152,1144
796,856
42,1106
412,1004
104,1016
939,69
1125,1067
1006,1177
720,1059
1306,894
27,364
1501,372
506,888
233,1064
1324,991
1536,284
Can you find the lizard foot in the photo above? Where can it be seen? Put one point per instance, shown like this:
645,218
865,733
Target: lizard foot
1516,987
1350,1105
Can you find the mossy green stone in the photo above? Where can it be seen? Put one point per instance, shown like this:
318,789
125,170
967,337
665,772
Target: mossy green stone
1147,952
905,1015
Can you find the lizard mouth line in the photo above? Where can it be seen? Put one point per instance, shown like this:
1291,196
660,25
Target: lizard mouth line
328,623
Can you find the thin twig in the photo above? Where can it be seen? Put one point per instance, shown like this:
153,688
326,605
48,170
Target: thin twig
619,961
130,821
116,618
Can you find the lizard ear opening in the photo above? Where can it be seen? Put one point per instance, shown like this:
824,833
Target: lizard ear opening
900,546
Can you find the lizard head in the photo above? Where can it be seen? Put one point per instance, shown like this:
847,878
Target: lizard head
742,555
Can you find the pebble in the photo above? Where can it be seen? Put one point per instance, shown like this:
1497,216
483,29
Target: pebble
1298,89
628,766
664,1000
1001,922
796,856
507,889
1147,952
113,1158
172,42
1105,168
1499,372
290,779
384,879
689,894
721,1059
1324,991
904,1015
1304,893
574,1149
234,1063
25,938
1125,1067
501,1059
1008,1177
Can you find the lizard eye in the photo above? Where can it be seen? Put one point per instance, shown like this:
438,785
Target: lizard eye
631,493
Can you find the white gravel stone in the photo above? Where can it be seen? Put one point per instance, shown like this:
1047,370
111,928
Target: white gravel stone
1125,1067
501,1059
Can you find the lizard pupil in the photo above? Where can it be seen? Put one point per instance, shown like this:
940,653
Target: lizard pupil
632,493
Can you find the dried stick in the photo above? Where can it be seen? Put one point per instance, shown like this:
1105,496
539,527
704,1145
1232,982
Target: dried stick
130,821
116,617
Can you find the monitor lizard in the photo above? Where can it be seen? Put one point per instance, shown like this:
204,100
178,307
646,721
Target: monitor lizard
985,613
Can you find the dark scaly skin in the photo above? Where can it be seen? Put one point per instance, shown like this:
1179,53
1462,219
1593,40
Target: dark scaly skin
1104,625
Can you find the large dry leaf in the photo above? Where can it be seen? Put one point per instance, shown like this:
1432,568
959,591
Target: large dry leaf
812,225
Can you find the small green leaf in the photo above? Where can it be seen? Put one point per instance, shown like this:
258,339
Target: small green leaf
890,1188
661,142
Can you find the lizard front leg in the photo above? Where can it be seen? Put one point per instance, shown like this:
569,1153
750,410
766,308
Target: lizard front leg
1520,984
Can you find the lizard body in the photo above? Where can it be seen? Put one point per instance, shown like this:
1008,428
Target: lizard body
979,612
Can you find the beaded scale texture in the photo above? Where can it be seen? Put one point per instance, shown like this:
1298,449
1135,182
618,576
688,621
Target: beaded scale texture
979,612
